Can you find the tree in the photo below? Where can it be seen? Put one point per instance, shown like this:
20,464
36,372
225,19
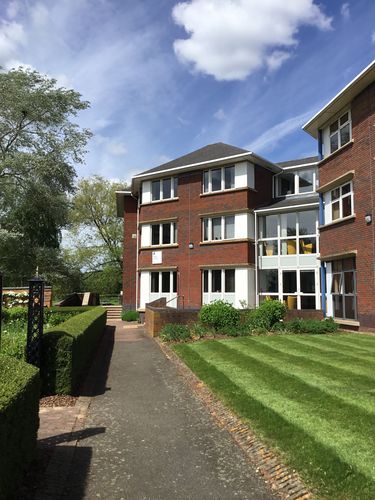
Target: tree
39,147
96,233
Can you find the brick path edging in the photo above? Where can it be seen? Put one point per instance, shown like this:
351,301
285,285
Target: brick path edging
284,482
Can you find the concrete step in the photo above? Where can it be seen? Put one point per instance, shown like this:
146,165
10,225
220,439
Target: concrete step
114,312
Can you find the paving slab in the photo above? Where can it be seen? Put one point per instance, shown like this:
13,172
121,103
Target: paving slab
158,440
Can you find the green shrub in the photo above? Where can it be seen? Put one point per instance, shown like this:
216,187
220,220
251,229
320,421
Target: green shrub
266,315
235,331
172,332
130,316
219,314
312,326
19,420
197,330
67,349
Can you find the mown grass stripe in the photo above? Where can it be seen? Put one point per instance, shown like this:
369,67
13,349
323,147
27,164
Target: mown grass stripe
310,398
358,339
354,389
339,424
317,463
333,357
359,348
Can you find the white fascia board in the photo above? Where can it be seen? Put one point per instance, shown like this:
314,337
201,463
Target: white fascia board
341,99
288,207
293,167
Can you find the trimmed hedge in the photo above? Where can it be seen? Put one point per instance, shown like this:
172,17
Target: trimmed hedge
67,350
19,420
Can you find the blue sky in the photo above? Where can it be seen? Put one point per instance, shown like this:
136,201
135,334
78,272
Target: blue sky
166,77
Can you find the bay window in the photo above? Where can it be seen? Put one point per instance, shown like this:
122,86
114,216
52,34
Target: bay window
295,181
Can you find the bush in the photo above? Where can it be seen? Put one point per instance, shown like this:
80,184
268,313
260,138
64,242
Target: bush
269,313
197,330
235,331
19,420
67,350
172,332
219,314
130,316
312,326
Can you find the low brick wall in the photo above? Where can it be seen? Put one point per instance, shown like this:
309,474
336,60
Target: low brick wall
157,315
304,314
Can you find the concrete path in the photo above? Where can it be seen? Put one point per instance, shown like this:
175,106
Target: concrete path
159,442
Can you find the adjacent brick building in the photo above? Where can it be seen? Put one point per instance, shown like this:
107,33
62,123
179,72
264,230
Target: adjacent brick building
224,223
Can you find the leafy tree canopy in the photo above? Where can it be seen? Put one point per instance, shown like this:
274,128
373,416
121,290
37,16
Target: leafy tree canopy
39,146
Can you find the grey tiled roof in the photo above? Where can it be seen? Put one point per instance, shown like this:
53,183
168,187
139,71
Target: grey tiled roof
207,153
292,201
300,161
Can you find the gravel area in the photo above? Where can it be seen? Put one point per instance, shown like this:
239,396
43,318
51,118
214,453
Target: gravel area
50,401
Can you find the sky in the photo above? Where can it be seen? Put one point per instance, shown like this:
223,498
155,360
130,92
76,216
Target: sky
165,78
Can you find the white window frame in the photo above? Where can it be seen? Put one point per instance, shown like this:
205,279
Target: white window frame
338,131
340,201
173,226
343,292
298,293
297,237
222,232
296,182
222,295
223,188
160,292
173,194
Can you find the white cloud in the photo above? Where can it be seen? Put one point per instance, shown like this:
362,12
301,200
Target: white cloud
373,37
117,148
231,39
12,36
269,139
345,10
13,9
220,115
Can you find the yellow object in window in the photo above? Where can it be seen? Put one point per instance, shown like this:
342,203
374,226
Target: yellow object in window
292,247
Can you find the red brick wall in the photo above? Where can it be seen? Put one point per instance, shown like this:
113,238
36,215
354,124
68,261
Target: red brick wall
130,253
188,208
356,234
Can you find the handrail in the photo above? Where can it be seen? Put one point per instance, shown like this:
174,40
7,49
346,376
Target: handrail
177,297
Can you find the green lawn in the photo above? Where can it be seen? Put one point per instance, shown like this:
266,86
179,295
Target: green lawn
310,397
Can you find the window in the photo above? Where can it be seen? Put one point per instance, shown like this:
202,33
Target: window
342,201
296,288
218,179
343,288
164,282
340,132
288,234
295,181
164,234
164,189
219,281
218,228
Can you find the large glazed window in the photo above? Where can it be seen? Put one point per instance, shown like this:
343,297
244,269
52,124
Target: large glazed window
288,234
164,282
218,284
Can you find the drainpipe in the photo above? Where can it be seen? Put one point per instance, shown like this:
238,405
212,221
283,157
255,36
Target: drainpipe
323,271
137,256
256,258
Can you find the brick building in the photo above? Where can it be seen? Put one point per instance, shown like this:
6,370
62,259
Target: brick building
345,132
224,223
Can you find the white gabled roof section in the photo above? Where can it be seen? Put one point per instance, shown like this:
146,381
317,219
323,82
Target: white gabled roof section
341,100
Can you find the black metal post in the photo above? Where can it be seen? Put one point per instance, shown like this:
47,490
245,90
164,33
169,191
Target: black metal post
1,304
35,321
